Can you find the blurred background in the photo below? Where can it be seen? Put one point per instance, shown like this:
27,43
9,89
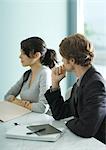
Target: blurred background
51,20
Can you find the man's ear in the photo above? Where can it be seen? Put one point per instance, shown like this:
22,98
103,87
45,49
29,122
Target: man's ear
72,60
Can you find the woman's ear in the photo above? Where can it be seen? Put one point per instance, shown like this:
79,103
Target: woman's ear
37,55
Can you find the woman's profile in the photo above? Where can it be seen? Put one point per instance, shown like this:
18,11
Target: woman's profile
34,82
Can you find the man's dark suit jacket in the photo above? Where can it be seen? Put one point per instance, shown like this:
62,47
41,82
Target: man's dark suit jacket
90,110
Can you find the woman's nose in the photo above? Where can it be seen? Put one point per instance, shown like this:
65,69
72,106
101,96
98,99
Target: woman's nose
20,56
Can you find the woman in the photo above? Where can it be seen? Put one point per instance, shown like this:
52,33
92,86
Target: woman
34,83
87,102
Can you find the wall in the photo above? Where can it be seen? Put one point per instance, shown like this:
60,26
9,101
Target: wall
21,19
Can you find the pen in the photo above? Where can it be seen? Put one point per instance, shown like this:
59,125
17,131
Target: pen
40,130
16,124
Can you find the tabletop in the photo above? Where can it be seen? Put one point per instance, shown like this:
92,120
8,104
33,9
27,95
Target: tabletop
68,141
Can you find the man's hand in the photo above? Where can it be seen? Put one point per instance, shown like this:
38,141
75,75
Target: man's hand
57,75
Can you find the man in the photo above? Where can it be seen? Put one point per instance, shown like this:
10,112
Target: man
87,102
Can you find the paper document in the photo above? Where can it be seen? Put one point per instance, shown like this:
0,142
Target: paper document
10,111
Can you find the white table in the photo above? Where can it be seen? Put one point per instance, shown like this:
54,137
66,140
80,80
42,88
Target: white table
68,141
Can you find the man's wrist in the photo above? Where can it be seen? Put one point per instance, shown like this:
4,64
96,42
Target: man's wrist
55,85
54,89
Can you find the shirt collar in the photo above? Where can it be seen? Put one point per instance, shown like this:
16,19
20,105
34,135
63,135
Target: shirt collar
79,80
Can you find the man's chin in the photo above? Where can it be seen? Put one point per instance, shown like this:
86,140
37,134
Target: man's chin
69,71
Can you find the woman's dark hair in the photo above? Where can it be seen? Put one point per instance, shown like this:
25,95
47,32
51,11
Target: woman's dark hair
35,44
50,58
77,47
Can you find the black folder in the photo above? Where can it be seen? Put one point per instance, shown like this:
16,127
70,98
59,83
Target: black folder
43,129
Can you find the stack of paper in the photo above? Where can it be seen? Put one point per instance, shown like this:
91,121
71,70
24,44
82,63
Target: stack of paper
10,111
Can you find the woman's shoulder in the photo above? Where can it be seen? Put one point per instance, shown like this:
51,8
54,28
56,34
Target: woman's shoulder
45,72
45,69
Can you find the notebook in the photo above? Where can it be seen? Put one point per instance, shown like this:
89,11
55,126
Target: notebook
10,111
21,132
43,129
